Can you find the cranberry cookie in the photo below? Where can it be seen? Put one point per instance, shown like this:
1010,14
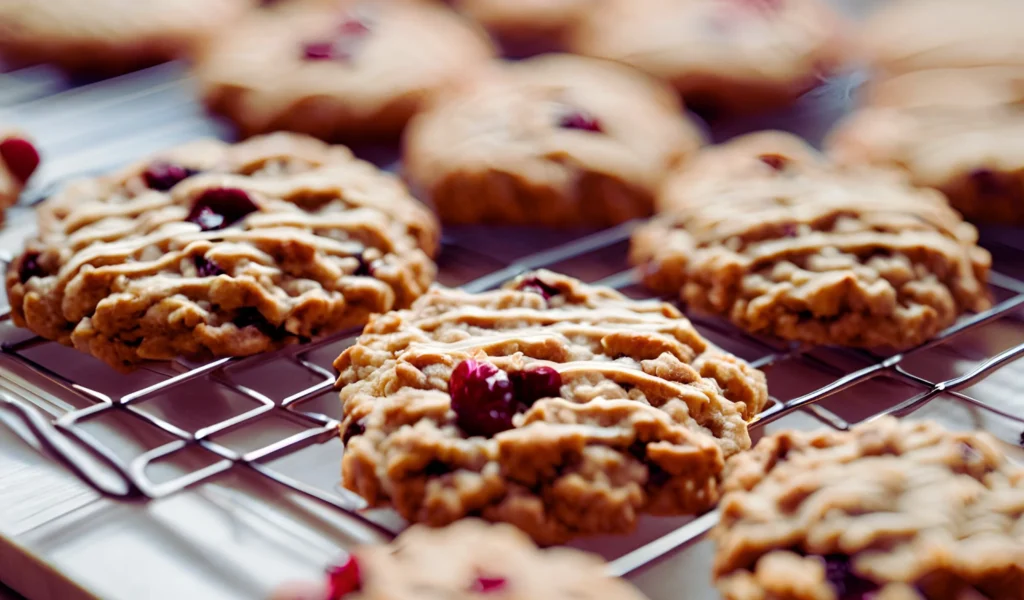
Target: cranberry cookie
19,159
527,26
729,55
556,141
561,408
231,251
110,36
888,510
465,560
337,70
768,234
912,35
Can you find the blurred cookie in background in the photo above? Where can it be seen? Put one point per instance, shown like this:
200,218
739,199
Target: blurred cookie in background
469,559
960,131
911,35
722,55
557,140
526,27
945,102
19,159
338,70
106,37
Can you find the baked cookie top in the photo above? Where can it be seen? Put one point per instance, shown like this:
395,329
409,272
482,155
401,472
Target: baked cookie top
465,560
561,408
338,69
735,53
958,130
551,124
222,250
542,23
111,35
766,232
911,35
887,510
19,159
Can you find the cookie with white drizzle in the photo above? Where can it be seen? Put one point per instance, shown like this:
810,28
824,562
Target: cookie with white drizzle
338,70
889,510
231,251
468,559
766,232
562,408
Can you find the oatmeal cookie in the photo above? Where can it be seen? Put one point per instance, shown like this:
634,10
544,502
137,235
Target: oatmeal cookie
465,560
912,35
557,141
527,26
110,36
728,55
561,408
805,251
338,70
888,510
19,159
960,131
229,251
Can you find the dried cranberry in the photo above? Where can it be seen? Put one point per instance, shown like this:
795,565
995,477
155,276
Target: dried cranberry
354,428
30,267
847,585
484,584
482,397
217,208
656,475
249,316
318,50
533,384
988,183
206,268
364,268
536,286
344,578
436,468
162,175
21,157
574,118
775,161
349,35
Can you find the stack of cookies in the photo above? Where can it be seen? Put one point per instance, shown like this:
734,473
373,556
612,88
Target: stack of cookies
552,409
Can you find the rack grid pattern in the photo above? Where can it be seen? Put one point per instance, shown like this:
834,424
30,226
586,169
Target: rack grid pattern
598,258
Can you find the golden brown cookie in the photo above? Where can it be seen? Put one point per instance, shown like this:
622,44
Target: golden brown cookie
889,510
912,35
527,26
221,250
338,70
111,36
768,234
561,408
556,140
946,103
19,159
729,55
466,560
956,130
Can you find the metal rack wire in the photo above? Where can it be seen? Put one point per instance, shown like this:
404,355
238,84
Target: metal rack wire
65,433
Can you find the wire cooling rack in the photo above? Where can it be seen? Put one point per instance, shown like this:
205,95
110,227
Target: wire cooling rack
192,422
